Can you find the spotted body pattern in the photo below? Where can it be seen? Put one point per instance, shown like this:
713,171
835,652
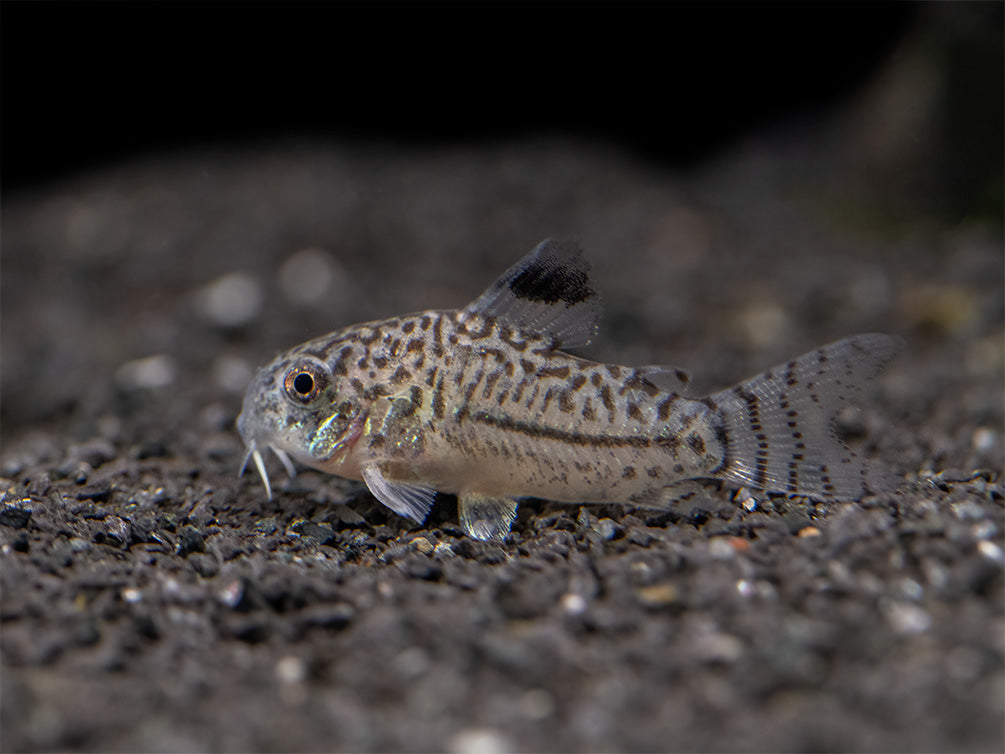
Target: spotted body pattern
483,403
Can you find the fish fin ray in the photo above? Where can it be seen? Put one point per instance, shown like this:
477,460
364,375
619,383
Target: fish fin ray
779,425
484,516
404,498
546,293
688,498
675,496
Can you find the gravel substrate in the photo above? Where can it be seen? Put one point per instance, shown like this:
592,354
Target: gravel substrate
154,601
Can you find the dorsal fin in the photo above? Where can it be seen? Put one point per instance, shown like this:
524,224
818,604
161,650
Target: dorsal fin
546,293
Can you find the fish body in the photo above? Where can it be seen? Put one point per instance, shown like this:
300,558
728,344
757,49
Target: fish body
483,403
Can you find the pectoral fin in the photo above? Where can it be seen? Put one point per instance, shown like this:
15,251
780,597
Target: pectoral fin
404,498
484,517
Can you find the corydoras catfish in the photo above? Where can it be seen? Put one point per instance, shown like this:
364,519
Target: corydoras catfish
484,402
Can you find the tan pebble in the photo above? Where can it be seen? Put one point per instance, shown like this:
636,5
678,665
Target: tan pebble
738,543
658,595
291,669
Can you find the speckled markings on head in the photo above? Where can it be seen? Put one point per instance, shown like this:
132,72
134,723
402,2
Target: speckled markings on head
482,402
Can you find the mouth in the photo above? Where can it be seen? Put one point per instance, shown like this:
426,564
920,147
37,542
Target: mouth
254,454
336,452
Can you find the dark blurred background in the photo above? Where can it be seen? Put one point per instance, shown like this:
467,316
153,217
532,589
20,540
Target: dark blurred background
85,84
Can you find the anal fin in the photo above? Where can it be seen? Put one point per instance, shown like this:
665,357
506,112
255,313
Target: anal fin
404,498
486,517
686,496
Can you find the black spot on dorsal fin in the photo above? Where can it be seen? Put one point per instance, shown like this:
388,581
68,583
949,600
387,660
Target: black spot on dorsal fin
552,275
547,293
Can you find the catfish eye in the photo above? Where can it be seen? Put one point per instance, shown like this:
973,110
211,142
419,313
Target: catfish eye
305,381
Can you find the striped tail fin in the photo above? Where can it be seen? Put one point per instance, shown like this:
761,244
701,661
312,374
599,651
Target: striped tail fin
779,426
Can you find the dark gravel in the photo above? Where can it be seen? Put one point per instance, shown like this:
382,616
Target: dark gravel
153,601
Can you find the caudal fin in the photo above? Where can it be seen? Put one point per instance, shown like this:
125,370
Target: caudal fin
779,425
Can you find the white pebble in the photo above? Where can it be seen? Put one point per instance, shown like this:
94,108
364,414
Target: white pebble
132,595
911,589
232,300
905,618
984,530
232,373
983,440
990,550
720,549
716,646
573,604
309,275
443,550
968,510
479,741
640,568
150,373
291,669
231,594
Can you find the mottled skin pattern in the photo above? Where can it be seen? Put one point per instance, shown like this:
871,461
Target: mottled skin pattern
482,403
469,404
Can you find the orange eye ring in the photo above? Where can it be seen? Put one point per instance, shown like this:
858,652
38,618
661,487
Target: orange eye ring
304,382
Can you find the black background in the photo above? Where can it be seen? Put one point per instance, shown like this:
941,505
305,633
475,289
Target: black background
88,83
